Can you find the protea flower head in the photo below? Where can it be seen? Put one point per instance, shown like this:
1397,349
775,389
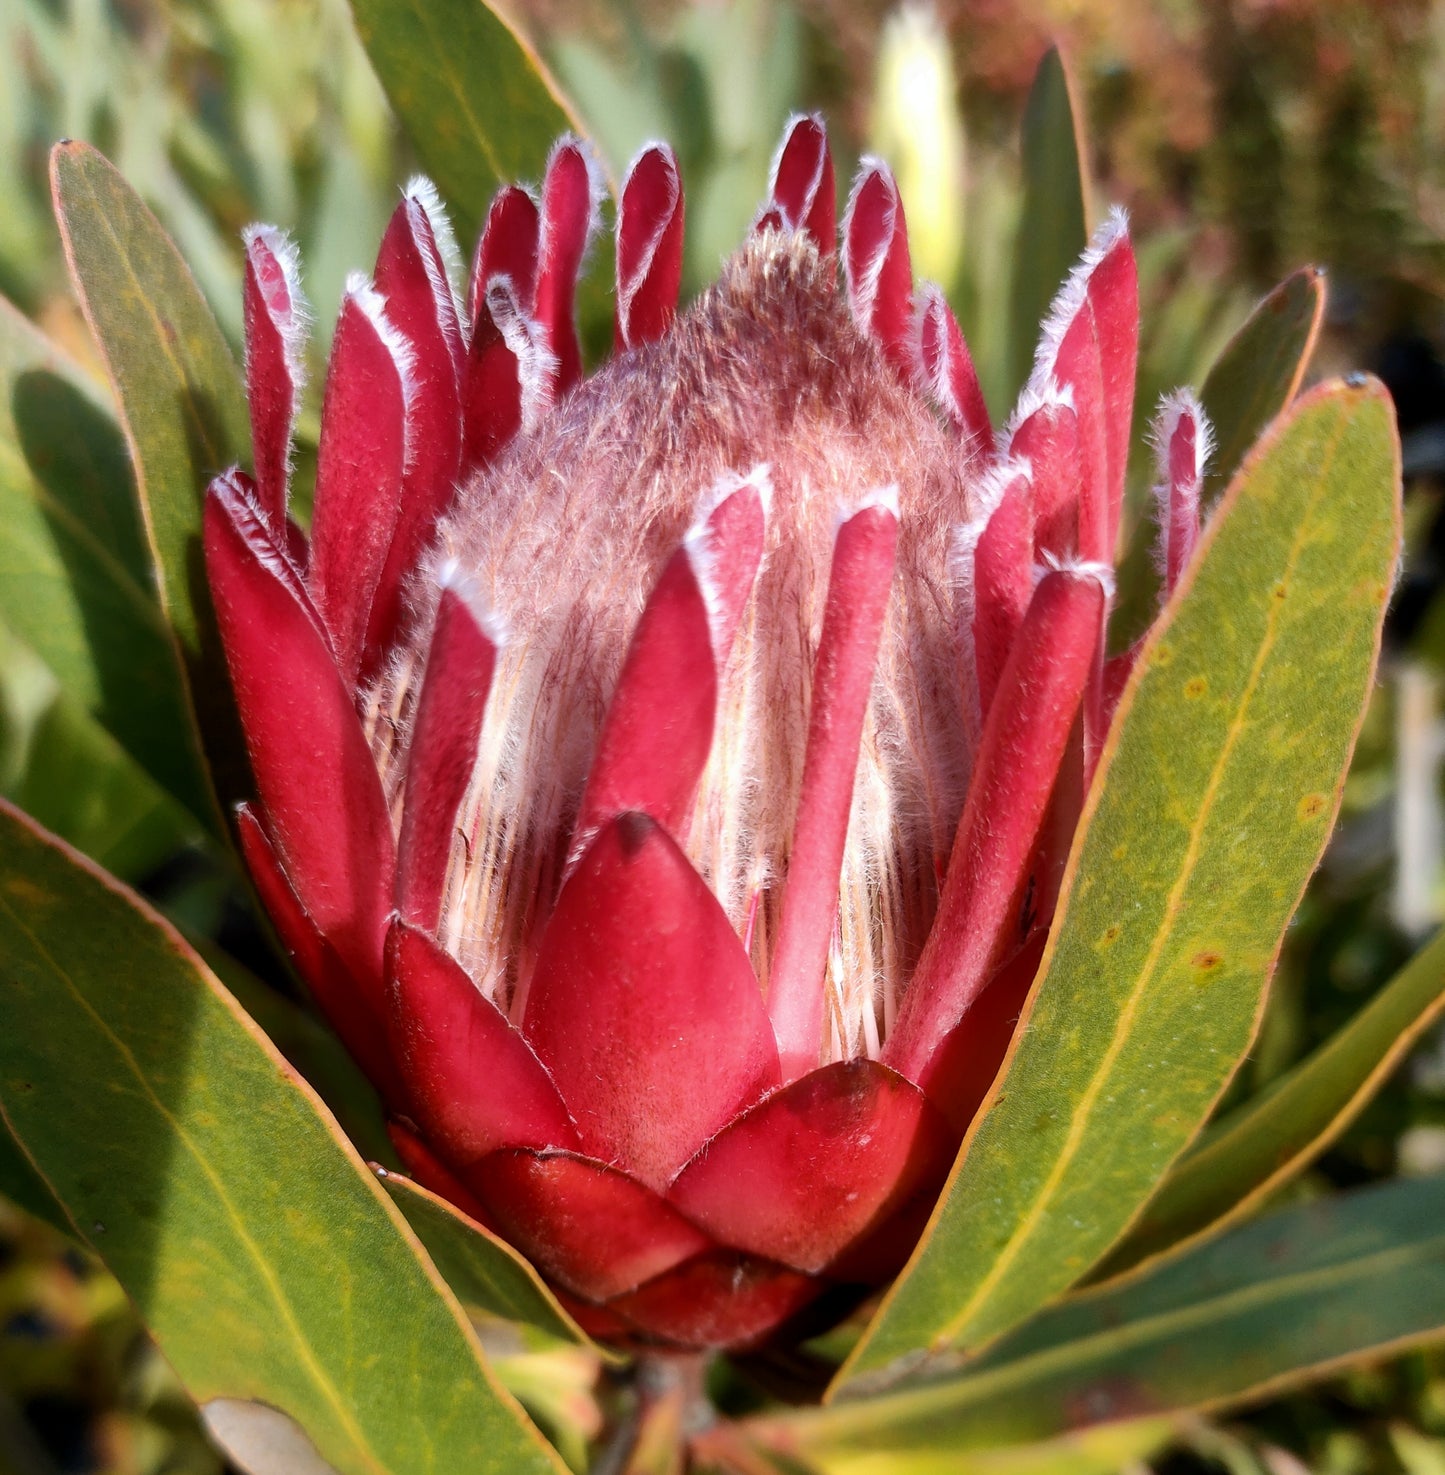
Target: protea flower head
665,775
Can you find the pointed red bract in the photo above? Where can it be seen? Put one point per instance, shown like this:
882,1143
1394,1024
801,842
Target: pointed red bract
949,374
1048,439
721,1299
1181,437
644,1006
659,728
970,1058
359,466
877,266
1090,347
507,248
802,189
460,661
510,375
353,1008
1023,743
649,247
814,1167
473,1083
857,602
586,1225
319,788
411,276
1003,586
275,322
567,218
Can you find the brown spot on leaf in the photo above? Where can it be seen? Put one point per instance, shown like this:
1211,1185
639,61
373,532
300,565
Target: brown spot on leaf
1312,806
1206,960
1195,687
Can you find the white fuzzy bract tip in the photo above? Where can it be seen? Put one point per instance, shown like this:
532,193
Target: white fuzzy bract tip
1075,568
421,191
1070,298
863,281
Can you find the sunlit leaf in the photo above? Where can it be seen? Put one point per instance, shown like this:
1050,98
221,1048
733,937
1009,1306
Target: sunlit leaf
474,97
1270,1139
1266,1305
1214,798
261,1253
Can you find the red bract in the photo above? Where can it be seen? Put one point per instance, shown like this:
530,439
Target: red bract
664,776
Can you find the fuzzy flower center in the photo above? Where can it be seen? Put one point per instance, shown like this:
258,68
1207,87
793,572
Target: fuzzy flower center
562,540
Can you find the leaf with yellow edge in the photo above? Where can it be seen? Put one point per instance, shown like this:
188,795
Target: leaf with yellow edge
1273,1303
1214,798
485,1272
263,1256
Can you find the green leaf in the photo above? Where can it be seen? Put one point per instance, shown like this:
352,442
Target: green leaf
1268,1305
182,406
22,1185
78,783
1260,370
311,1047
1215,795
474,97
75,578
1269,1140
834,1442
485,1272
1052,231
263,1256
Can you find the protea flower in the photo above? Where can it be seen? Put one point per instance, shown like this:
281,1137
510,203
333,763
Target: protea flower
665,775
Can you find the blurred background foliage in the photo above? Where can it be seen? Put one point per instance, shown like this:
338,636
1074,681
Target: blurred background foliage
1247,137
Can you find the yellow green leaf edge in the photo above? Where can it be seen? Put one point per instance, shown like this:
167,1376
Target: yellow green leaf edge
470,1257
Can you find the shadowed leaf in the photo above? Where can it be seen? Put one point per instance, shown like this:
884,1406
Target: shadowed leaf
485,1272
1260,370
182,407
472,94
1053,231
75,578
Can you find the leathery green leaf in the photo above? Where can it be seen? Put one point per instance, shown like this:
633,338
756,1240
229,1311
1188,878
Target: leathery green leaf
485,1272
802,1445
1268,1305
1215,795
1260,370
1268,1140
261,1253
75,578
1052,228
182,407
22,1185
474,97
